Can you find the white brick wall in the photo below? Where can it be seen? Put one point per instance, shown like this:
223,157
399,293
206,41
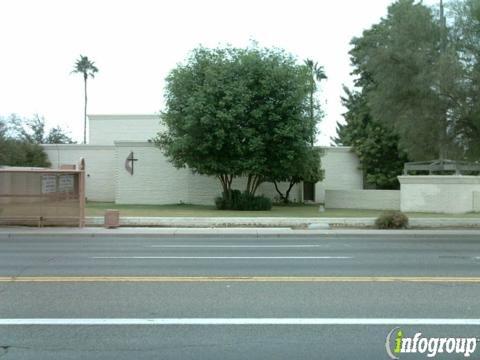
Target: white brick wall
439,194
363,199
202,190
156,181
342,171
99,164
106,129
341,166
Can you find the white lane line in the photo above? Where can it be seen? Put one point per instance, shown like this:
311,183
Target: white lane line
226,257
237,246
241,321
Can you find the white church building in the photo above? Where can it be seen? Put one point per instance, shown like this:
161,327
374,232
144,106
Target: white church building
122,166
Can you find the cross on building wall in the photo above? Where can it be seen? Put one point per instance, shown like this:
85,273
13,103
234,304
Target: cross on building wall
129,163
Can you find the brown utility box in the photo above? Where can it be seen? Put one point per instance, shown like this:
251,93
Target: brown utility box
112,219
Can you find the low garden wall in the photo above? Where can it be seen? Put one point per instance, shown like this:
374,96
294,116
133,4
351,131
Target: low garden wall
362,199
455,194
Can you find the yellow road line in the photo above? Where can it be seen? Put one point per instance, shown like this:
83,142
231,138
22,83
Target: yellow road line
316,279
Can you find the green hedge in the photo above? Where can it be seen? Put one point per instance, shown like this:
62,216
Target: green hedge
243,202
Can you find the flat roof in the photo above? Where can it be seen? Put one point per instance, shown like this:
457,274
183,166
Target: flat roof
123,116
20,169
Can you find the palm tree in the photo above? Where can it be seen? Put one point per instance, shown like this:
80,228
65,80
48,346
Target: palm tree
317,75
86,67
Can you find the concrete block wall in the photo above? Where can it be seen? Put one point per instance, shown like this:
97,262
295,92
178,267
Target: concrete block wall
154,181
342,171
99,166
439,194
106,129
202,190
341,166
363,199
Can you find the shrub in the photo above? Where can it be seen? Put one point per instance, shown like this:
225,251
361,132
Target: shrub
228,202
220,203
392,220
254,203
243,201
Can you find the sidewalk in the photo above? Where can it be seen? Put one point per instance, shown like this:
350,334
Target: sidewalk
124,232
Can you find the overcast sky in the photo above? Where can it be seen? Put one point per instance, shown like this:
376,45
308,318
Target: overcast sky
135,43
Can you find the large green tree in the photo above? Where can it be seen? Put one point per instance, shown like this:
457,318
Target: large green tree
21,153
411,77
465,36
420,70
233,112
20,140
86,68
317,74
17,152
33,130
3,145
376,145
304,166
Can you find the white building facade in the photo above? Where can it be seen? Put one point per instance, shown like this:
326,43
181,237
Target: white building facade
154,180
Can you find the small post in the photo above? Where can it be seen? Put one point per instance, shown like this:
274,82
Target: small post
112,219
81,192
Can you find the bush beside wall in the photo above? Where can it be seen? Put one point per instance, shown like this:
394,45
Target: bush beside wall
243,202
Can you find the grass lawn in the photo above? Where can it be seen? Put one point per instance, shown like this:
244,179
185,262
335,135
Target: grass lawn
98,209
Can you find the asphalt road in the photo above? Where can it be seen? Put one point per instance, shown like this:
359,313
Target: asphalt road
327,297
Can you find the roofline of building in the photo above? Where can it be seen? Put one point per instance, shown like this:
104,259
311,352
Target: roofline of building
123,116
336,148
151,144
77,146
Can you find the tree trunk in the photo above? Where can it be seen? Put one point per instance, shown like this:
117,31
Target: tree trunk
249,182
285,198
259,180
85,112
226,181
282,197
253,183
287,195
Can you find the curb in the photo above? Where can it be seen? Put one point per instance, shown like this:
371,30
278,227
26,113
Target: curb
280,222
217,233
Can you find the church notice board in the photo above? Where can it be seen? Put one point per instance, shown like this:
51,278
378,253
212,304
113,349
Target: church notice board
52,184
49,184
